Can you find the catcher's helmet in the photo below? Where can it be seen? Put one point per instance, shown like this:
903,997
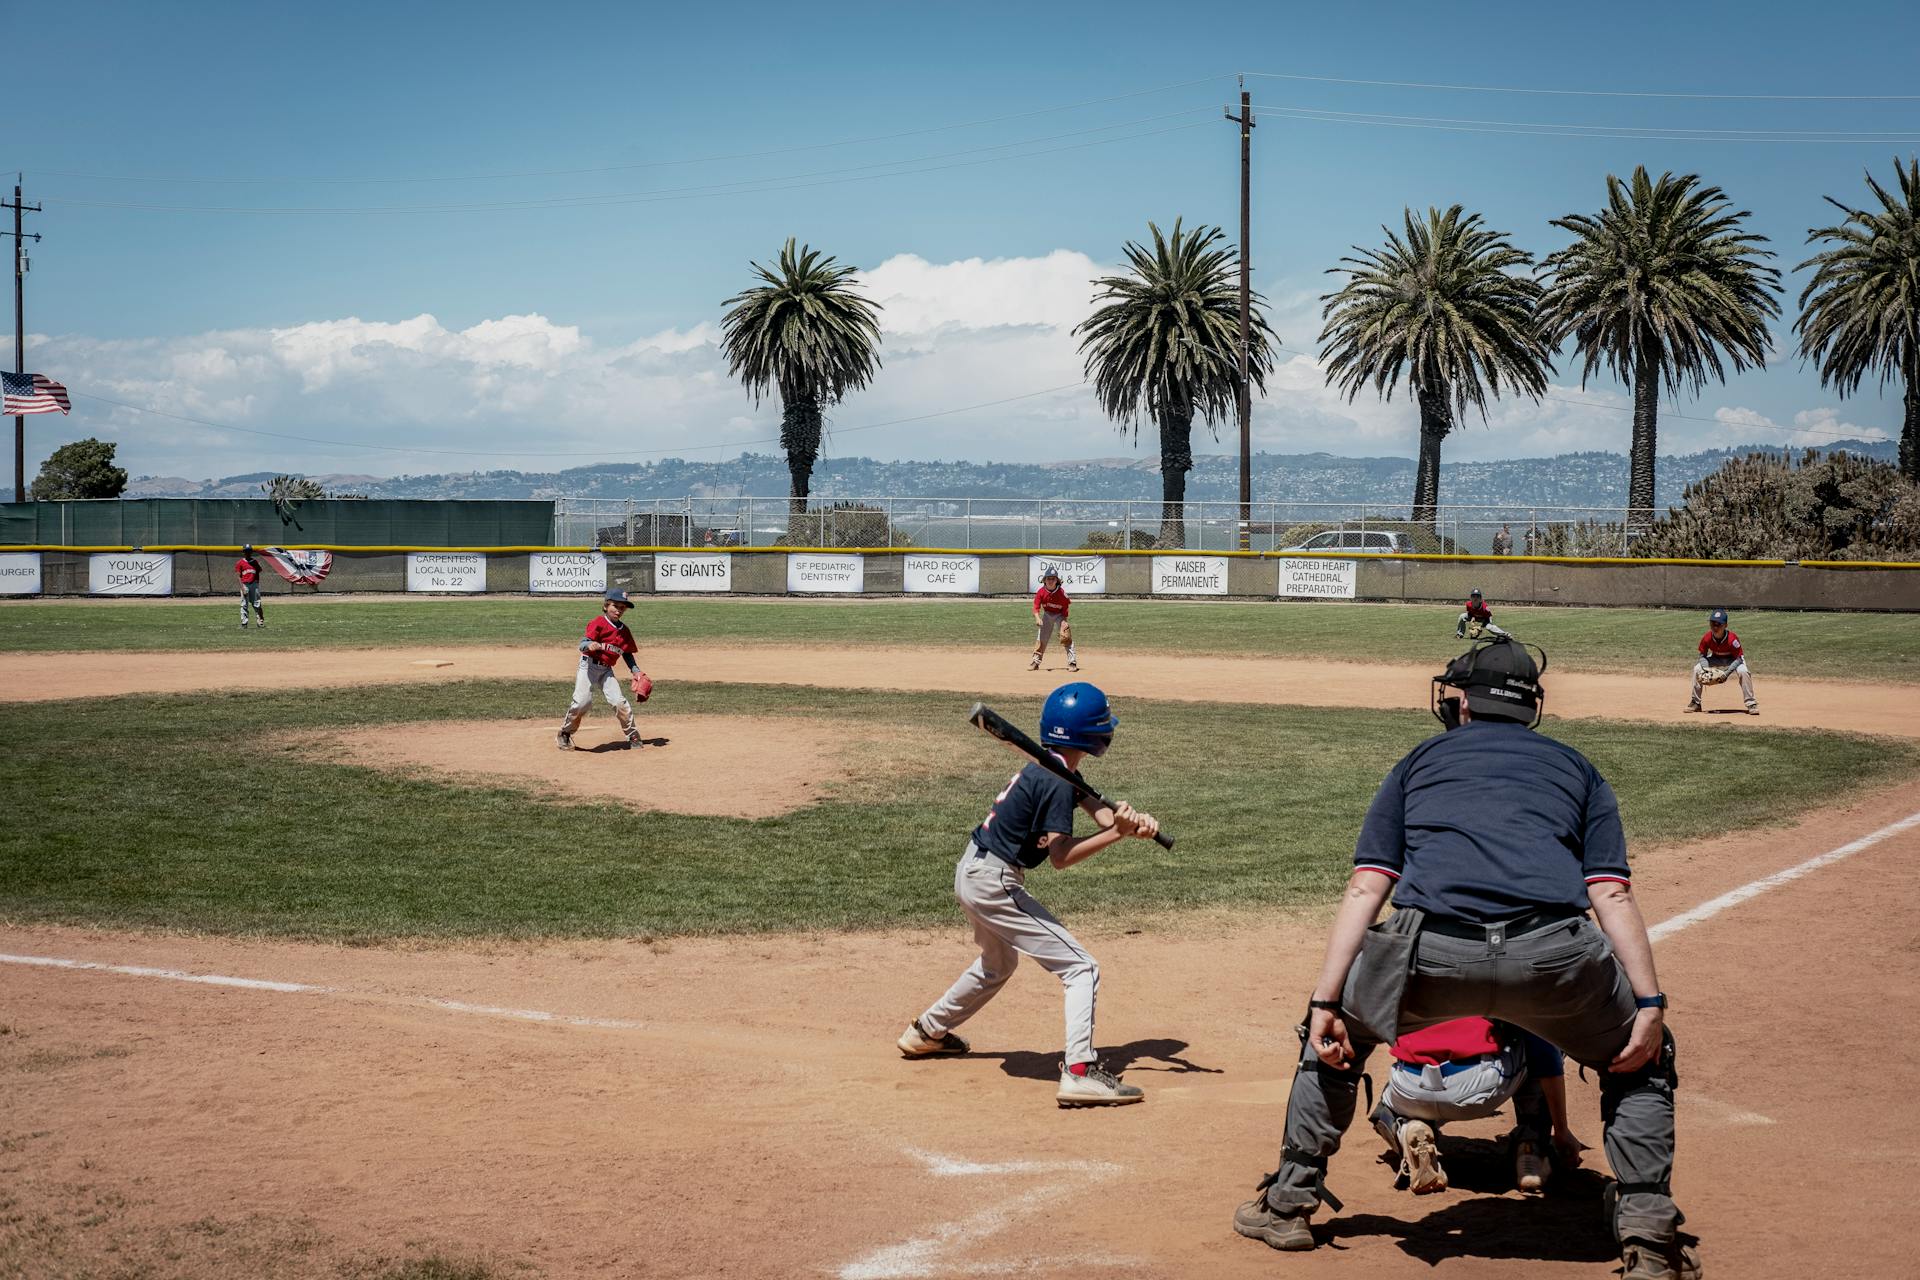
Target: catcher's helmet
1077,715
1718,618
1499,678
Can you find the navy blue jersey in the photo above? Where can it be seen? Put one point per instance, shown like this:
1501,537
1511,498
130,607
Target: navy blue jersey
1035,804
1491,821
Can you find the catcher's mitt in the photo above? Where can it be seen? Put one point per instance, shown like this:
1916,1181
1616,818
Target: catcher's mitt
642,686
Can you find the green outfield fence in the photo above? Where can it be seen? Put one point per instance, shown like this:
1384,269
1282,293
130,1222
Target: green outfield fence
316,522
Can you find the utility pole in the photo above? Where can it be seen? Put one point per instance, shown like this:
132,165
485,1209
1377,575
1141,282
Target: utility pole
20,238
1245,389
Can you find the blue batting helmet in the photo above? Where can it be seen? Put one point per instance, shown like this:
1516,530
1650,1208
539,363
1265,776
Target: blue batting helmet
1077,715
1717,618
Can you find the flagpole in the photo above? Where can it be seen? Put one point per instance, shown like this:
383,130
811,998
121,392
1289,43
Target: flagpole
20,239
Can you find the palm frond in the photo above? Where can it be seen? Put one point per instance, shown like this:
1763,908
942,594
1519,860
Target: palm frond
1860,311
805,331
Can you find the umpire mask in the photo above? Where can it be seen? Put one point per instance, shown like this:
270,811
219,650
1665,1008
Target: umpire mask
1498,678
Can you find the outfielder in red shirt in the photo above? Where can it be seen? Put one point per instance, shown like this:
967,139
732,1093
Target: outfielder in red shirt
248,570
608,641
1050,606
1721,657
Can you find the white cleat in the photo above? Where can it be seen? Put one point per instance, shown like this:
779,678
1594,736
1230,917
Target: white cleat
914,1042
1097,1088
1420,1156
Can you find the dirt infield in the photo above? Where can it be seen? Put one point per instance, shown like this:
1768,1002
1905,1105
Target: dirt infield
1860,708
736,1107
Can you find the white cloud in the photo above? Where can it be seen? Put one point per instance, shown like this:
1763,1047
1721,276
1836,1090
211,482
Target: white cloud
1811,427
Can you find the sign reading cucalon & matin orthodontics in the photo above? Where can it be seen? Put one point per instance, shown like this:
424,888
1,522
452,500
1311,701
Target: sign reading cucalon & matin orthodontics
446,571
1079,575
813,572
561,572
19,573
692,571
1189,575
1312,578
943,575
130,573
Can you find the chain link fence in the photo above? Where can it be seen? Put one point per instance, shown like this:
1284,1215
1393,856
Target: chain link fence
1096,525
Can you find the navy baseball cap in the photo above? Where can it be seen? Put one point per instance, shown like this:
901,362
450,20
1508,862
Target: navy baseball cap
1474,594
1717,618
617,596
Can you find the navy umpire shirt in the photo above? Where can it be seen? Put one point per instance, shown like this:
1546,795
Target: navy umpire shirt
1491,821
1034,805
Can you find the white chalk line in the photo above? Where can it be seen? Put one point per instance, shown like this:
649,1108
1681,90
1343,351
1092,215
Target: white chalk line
173,975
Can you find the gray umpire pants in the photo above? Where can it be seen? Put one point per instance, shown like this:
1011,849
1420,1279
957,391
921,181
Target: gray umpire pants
1008,923
1560,982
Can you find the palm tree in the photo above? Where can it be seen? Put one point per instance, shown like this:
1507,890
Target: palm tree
1163,343
1865,295
1449,306
807,332
1662,288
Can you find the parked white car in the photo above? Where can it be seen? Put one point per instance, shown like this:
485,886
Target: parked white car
1361,540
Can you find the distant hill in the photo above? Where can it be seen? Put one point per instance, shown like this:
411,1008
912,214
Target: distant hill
1569,480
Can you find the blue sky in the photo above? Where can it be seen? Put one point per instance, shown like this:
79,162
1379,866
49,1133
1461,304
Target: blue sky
456,338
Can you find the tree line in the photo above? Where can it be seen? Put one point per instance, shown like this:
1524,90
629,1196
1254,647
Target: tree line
1664,288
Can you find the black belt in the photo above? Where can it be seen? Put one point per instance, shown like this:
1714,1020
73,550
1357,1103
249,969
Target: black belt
1532,922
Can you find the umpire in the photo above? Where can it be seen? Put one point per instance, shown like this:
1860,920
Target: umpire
1493,841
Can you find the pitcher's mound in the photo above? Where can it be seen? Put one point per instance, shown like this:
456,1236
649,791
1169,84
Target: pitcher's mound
726,766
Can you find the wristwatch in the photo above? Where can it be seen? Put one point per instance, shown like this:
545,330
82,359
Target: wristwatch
1657,1001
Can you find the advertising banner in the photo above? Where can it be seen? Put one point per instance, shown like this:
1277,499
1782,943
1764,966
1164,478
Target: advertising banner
1079,575
693,571
945,575
1318,579
19,573
1189,575
446,571
566,573
814,572
130,573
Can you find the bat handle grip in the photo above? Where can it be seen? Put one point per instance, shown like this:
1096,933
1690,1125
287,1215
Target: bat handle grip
1162,839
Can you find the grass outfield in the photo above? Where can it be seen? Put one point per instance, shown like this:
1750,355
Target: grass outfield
1856,646
178,812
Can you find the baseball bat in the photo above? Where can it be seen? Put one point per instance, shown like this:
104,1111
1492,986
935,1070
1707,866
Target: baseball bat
995,725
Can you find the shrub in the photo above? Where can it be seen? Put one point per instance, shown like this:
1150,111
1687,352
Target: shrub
1834,506
842,524
1101,540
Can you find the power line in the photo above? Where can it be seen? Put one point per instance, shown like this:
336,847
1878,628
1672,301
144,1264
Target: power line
573,453
1666,412
1598,93
1625,132
1548,124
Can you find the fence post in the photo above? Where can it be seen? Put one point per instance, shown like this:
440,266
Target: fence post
889,523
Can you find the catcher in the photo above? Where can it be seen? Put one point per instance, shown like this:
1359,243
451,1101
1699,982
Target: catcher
608,641
1477,620
1721,657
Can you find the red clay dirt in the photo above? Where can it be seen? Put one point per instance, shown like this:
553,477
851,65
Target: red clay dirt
1861,708
752,1118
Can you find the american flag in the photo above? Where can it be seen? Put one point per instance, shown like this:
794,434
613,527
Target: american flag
33,393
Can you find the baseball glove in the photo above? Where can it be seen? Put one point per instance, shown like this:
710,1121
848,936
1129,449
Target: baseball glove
1717,675
1474,629
642,686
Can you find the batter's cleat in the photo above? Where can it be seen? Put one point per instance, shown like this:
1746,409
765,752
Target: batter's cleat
1530,1168
1097,1088
1643,1261
1035,664
1420,1159
1257,1220
914,1042
563,740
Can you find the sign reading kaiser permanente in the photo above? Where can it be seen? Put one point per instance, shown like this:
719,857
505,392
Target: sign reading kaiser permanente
446,571
562,572
1311,578
130,573
693,571
943,575
1079,575
19,573
1189,575
813,572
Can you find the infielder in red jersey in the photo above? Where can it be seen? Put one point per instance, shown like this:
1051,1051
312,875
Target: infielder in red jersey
248,570
1050,606
1721,657
608,641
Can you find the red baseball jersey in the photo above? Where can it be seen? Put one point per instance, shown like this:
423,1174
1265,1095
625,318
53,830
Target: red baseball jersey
247,569
1727,646
1478,611
614,635
1446,1042
1054,601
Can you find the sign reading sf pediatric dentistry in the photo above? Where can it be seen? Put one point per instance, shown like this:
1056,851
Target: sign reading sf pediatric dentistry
813,572
579,572
1189,575
446,571
693,571
1079,575
19,573
1316,579
946,575
130,573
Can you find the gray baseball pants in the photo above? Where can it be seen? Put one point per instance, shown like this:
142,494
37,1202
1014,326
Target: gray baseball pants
250,595
1560,982
1705,672
1008,923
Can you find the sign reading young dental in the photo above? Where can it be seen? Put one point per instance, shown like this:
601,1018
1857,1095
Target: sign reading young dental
563,572
693,571
1317,579
812,573
446,571
19,573
1079,575
945,575
1189,575
130,573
